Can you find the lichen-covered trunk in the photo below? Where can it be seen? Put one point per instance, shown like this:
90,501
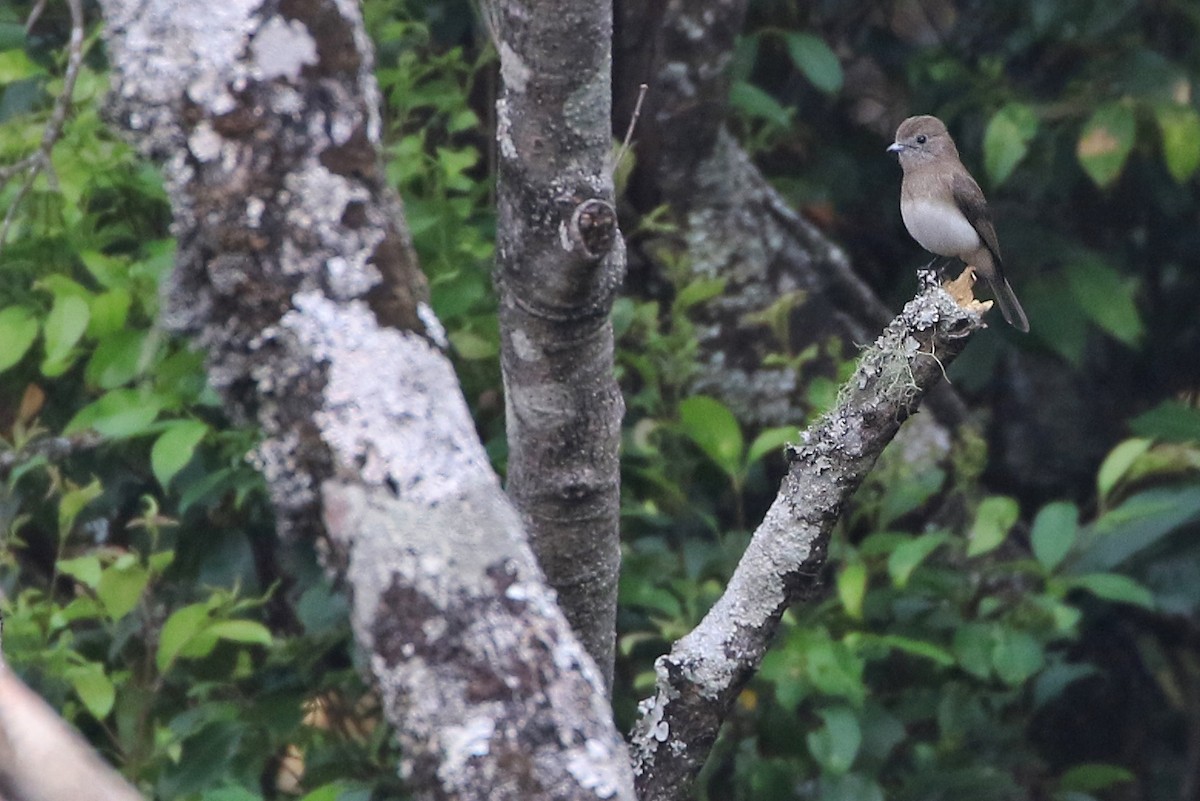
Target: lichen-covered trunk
295,273
560,260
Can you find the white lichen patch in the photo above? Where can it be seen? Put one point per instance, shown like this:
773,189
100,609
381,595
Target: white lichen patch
433,326
508,148
587,108
179,47
281,48
393,412
205,143
513,69
461,743
524,347
348,279
595,767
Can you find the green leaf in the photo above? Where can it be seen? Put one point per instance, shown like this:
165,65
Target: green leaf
1171,421
110,272
248,632
471,346
231,793
1139,524
1180,127
1105,142
757,104
995,517
1057,677
121,588
1006,140
710,424
184,626
109,311
18,329
94,688
1053,533
1117,464
921,648
64,326
84,569
907,556
852,588
814,58
698,290
973,644
1016,656
117,414
1115,587
117,359
909,494
72,503
849,787
174,448
835,745
1089,778
1106,298
772,439
834,670
16,66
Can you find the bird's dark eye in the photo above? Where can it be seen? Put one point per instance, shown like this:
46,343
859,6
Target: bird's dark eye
921,139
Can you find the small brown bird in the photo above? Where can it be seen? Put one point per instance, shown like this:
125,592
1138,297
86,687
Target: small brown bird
945,210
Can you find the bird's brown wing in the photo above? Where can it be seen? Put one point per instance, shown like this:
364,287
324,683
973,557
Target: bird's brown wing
971,202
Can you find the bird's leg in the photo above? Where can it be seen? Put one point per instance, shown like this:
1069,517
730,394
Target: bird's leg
939,264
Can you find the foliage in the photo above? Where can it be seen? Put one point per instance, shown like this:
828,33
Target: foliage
964,634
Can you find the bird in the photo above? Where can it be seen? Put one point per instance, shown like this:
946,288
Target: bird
945,211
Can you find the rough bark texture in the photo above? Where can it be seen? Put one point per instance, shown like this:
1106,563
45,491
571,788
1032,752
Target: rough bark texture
44,759
559,263
295,274
733,224
701,677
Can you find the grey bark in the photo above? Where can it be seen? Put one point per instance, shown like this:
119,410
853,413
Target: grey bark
733,224
560,261
699,680
295,273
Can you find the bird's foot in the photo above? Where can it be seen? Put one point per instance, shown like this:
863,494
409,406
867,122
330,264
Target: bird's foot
962,290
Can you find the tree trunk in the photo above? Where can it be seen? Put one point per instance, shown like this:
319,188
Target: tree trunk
295,273
560,260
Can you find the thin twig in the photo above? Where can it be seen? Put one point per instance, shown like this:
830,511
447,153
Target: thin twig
34,14
633,119
40,160
53,449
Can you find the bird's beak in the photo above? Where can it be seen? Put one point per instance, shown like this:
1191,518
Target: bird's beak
895,147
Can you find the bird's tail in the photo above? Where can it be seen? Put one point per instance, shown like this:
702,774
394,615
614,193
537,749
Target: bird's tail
1010,307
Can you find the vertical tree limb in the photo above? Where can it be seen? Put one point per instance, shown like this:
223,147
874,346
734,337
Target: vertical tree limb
706,669
296,275
560,260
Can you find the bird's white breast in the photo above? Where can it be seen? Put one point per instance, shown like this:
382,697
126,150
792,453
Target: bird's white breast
939,227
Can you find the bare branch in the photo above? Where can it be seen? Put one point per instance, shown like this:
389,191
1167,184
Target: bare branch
700,678
44,759
633,120
53,449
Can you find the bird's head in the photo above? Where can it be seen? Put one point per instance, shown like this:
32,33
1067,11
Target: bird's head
922,139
